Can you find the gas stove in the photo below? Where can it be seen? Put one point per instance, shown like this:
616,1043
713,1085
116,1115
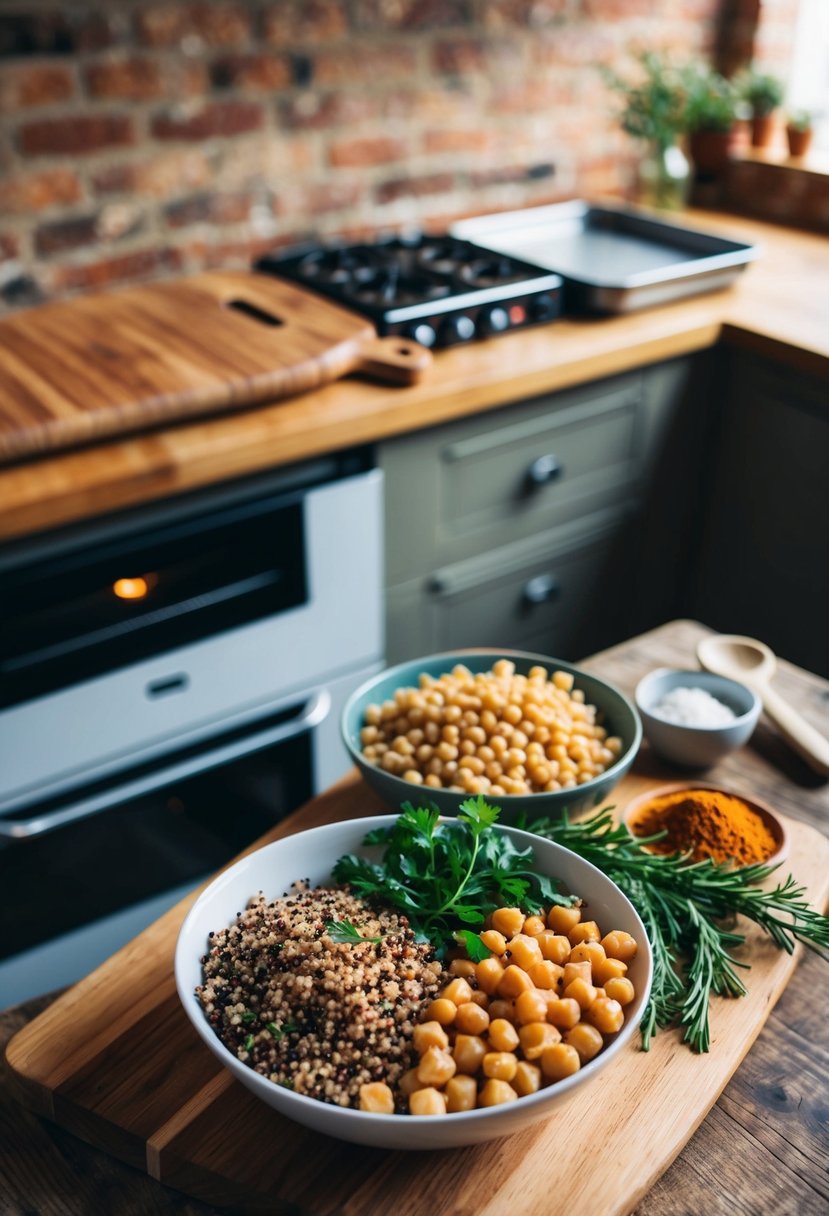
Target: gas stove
436,289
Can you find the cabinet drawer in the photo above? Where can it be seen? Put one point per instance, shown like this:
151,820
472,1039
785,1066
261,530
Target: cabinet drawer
549,599
469,487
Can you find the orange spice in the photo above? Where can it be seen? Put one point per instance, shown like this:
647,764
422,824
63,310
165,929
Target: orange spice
706,823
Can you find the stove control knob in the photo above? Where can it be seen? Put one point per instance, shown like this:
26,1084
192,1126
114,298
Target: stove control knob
493,320
457,329
422,332
543,307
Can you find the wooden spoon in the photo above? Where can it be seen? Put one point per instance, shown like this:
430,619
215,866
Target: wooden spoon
754,663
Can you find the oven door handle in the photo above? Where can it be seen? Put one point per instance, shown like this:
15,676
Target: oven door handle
313,712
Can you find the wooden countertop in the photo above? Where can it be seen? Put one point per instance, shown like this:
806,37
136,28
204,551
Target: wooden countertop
760,1149
780,307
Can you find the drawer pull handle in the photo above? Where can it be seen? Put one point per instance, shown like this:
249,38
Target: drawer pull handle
543,470
541,589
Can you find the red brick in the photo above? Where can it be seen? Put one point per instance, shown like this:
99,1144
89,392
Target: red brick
28,192
313,111
358,63
454,140
127,78
140,264
289,22
410,14
524,14
209,208
616,10
370,151
76,136
211,24
461,56
159,176
42,31
113,222
317,198
216,118
35,84
261,71
414,187
9,245
61,235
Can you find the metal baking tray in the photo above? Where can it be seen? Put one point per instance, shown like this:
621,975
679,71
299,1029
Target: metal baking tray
612,259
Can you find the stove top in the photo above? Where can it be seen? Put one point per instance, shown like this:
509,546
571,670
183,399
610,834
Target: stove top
436,289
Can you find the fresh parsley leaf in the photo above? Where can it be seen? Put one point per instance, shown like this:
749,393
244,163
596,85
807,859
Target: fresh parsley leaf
444,872
344,932
279,1032
249,1042
471,942
248,1016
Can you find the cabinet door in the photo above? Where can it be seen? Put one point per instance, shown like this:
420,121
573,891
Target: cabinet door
552,599
463,489
764,565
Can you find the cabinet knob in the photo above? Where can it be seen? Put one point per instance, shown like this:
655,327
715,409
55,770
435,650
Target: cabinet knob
541,589
543,470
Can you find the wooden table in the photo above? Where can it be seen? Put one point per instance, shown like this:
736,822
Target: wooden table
763,1147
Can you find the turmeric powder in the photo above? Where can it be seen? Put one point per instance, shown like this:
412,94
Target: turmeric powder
706,823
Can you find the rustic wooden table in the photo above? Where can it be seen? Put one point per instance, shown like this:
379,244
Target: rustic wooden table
774,1108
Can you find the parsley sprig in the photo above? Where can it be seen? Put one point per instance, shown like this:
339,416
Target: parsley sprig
445,875
689,910
344,932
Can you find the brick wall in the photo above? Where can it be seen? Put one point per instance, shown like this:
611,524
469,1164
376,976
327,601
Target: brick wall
148,139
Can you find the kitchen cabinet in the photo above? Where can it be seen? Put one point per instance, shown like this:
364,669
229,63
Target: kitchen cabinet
763,564
518,527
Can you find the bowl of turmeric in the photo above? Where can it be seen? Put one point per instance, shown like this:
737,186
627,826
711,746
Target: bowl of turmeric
708,822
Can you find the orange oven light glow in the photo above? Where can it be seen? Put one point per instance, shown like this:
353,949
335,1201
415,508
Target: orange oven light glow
130,588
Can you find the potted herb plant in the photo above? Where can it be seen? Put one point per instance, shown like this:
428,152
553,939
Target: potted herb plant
799,132
763,94
652,111
710,115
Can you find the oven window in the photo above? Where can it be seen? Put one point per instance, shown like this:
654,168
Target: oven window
79,873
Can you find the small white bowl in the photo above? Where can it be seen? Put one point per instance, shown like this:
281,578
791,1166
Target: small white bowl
695,746
311,855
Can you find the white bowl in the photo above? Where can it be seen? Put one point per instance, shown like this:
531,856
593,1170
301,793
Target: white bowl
695,746
311,855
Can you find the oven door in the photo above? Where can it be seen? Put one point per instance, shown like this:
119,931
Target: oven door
82,874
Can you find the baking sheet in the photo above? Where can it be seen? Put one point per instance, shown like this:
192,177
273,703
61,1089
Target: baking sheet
613,259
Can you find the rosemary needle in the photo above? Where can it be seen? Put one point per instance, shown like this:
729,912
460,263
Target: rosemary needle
688,909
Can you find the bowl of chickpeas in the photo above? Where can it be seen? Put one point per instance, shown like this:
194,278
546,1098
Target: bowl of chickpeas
396,1048
535,734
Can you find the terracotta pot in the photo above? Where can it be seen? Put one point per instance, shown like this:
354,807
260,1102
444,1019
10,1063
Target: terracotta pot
762,130
710,151
799,141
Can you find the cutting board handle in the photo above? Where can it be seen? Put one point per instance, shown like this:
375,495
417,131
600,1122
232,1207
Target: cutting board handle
395,360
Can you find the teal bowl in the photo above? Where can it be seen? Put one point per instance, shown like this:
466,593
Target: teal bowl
617,714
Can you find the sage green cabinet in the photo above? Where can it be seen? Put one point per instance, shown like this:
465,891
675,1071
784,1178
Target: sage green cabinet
763,564
517,527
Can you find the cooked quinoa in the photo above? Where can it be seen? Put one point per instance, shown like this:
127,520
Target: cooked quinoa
319,1016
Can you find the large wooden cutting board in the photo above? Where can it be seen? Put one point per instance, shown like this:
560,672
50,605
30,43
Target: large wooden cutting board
114,362
116,1061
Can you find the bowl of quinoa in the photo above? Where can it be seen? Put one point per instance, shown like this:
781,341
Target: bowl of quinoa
304,1015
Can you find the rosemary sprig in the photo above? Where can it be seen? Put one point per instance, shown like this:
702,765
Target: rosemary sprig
688,910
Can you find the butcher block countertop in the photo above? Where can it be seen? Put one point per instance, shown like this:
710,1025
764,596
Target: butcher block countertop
779,307
759,1149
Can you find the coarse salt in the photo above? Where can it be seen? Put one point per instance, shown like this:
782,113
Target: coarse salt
693,707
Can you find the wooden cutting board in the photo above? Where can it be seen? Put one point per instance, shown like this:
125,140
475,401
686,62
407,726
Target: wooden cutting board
116,1061
116,362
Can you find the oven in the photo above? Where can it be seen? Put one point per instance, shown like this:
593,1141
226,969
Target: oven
170,687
